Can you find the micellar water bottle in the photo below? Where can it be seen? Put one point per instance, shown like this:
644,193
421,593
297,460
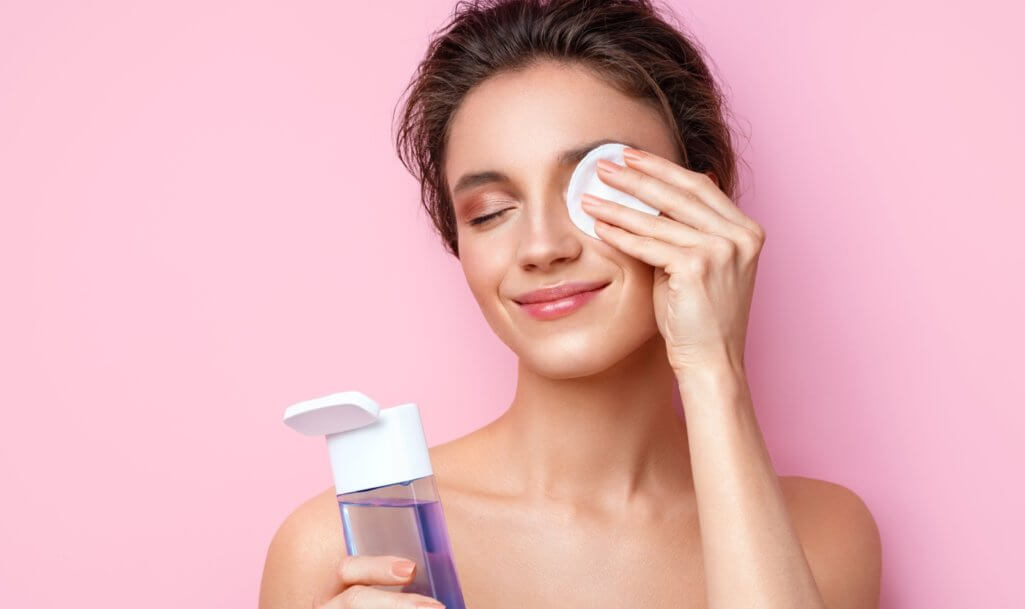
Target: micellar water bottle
385,486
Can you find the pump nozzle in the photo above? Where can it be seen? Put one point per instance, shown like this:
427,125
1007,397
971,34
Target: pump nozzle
332,413
369,447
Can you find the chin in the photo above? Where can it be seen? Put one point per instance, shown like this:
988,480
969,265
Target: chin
580,354
584,343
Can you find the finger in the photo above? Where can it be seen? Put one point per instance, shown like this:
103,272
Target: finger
640,223
681,205
366,597
676,203
385,570
650,250
693,181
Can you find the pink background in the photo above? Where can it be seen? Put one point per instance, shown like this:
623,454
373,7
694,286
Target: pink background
204,221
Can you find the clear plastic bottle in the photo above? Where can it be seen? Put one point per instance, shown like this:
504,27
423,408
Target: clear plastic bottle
385,486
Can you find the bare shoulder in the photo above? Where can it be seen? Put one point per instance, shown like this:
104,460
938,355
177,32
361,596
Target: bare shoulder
303,555
458,463
840,539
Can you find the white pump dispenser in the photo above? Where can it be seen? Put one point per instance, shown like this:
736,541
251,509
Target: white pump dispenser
369,447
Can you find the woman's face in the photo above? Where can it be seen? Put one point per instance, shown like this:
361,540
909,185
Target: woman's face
515,126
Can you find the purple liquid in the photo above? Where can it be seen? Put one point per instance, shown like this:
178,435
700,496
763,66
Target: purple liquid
410,528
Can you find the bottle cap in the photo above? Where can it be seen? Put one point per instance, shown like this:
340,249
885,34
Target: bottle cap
585,179
369,446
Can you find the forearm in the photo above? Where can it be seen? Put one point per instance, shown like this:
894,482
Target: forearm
752,555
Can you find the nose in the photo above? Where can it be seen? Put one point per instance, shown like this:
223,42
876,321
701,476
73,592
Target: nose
548,236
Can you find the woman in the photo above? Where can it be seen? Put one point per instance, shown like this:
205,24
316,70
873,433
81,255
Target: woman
590,491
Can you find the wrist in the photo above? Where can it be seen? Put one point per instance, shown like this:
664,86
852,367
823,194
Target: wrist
715,377
717,360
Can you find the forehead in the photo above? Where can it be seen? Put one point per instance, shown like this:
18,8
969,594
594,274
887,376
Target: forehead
519,122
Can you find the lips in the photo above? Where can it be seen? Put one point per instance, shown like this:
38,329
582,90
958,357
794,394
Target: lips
559,292
558,301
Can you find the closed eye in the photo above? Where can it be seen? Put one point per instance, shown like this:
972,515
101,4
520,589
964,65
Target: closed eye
482,219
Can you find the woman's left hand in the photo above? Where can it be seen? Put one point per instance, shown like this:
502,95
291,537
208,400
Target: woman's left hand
704,250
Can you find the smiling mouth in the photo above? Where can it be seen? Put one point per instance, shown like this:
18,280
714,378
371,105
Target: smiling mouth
559,291
559,307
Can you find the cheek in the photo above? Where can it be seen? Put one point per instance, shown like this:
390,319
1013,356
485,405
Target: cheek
640,274
639,279
636,276
484,272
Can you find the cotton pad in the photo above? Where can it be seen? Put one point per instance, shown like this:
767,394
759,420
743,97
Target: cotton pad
585,179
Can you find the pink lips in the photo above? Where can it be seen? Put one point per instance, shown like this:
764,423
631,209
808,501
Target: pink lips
560,300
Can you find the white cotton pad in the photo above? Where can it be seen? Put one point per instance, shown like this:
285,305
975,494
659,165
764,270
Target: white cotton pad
585,179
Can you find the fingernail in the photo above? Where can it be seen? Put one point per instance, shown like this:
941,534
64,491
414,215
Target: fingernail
590,200
633,154
609,166
403,568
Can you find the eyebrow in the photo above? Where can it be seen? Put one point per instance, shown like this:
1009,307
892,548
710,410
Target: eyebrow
571,156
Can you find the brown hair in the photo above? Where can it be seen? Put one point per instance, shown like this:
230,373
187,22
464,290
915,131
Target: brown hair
627,43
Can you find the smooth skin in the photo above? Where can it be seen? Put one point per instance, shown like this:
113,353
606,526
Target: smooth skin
589,490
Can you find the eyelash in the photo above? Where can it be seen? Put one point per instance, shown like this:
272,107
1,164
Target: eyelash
482,219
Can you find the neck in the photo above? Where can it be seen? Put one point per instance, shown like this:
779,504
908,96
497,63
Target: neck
612,438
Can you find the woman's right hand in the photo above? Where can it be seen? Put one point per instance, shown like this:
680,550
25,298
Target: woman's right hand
355,576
